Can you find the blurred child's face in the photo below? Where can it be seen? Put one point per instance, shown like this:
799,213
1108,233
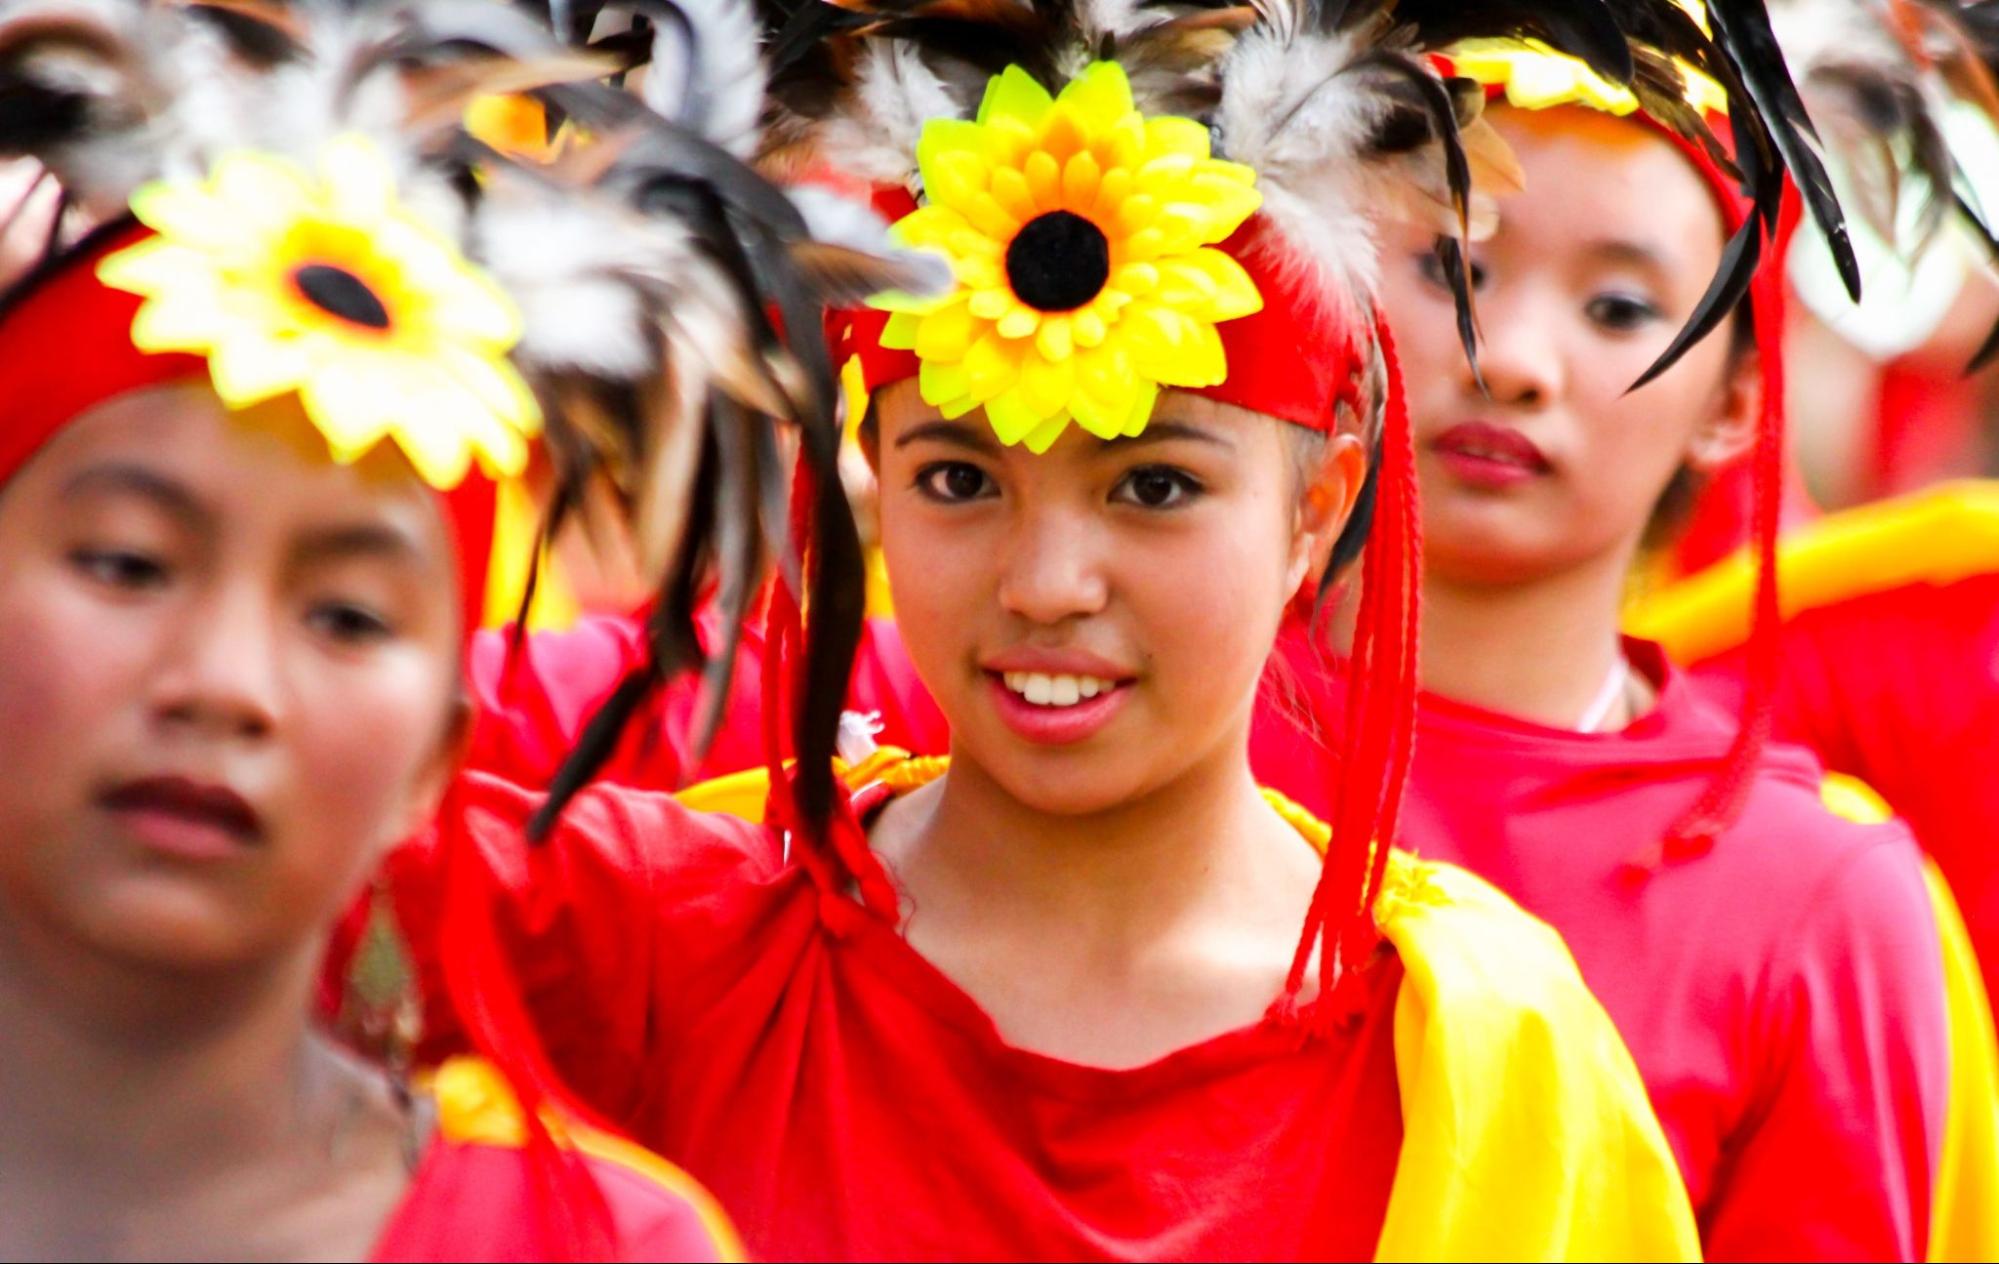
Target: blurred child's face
1594,268
228,672
1093,621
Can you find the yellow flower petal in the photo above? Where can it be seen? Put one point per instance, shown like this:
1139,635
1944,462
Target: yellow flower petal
1012,417
946,335
940,383
1043,437
1013,94
1019,323
1079,183
1043,174
1047,385
991,366
1099,97
249,369
1009,188
1054,340
1169,135
901,330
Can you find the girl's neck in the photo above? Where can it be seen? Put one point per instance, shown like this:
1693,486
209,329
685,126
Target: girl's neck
1122,872
140,1105
1539,650
1108,939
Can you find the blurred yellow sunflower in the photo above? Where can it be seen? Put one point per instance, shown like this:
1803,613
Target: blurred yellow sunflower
1081,234
328,286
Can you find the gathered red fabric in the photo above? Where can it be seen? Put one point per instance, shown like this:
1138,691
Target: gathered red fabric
66,347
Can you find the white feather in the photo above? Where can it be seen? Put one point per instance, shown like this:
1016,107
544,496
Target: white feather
709,74
570,265
894,95
842,221
1289,111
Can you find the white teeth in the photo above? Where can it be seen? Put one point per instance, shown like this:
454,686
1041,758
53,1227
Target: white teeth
1056,691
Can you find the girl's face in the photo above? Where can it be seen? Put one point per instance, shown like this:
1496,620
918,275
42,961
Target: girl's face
1094,620
228,672
1594,268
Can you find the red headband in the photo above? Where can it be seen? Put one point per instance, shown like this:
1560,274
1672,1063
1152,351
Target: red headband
1295,359
66,347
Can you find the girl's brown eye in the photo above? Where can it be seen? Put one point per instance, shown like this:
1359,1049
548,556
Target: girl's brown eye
120,568
1157,487
953,481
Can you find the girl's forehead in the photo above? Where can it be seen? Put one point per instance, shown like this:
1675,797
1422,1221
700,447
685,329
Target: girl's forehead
1591,175
267,465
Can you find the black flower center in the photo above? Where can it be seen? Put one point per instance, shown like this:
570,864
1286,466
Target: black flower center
340,292
1058,262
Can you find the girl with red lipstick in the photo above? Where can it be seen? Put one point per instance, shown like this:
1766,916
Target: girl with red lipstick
1051,999
240,556
1777,972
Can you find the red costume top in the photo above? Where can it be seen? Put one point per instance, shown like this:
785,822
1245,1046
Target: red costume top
845,1100
1895,687
1781,994
477,1193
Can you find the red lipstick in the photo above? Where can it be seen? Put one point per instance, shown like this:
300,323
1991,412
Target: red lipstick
1483,455
185,818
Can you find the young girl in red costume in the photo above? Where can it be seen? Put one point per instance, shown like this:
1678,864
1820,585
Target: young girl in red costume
232,619
1087,991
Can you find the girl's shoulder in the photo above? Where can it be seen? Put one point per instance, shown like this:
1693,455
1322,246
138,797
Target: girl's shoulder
484,1190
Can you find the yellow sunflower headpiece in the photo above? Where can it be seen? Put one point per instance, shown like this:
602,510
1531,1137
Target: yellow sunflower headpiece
1082,238
325,284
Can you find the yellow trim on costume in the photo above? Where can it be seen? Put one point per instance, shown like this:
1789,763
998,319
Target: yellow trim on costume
1964,1211
1964,1208
476,1106
1851,799
1502,1157
516,528
1937,536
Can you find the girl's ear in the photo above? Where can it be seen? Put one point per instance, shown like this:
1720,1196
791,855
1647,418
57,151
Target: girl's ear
1327,504
1730,430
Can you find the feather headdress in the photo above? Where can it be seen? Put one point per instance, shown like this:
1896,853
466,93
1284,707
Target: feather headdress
1905,97
647,300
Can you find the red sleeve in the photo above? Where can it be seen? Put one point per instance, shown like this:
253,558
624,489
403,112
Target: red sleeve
530,712
1899,688
1853,1086
607,931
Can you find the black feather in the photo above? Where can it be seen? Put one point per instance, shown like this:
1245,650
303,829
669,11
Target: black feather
1724,292
1742,31
1456,268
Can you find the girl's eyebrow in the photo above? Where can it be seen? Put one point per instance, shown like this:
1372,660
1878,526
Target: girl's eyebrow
1159,431
956,433
124,477
1624,250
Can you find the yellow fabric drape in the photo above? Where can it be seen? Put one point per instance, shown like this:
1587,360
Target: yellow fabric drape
476,1106
1507,1152
1936,536
1964,1207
